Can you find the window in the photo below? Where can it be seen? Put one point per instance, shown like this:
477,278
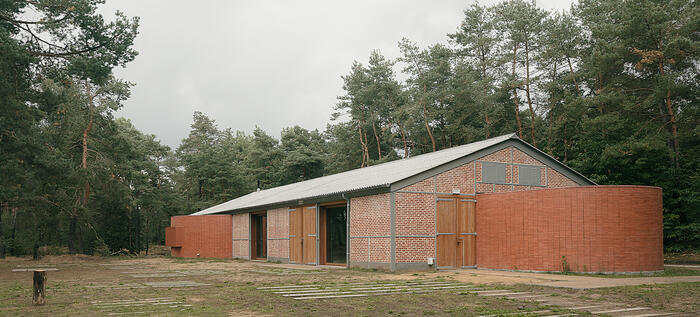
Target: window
529,175
493,173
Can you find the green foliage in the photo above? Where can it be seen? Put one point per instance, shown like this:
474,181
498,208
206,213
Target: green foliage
609,88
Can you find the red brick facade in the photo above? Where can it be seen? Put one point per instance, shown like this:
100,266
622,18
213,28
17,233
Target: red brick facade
370,229
415,227
206,237
416,204
590,229
601,229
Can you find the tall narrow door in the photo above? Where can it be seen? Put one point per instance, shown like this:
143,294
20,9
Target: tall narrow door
446,233
467,231
259,231
309,244
296,232
456,232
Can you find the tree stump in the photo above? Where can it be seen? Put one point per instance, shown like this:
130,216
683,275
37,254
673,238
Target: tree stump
39,287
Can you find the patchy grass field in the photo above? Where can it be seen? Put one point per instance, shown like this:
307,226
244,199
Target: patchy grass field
668,271
689,257
89,286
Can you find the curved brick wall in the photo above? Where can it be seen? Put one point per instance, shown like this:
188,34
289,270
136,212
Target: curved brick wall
595,229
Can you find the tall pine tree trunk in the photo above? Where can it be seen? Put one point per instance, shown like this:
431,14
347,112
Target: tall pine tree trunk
571,71
2,235
488,123
148,234
376,137
527,93
405,144
366,147
363,144
486,93
425,120
552,103
76,240
672,118
37,239
515,93
138,229
13,233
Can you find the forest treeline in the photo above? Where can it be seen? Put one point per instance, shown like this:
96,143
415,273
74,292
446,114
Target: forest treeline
609,88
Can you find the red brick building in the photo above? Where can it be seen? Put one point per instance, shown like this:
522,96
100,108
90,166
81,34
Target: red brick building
496,204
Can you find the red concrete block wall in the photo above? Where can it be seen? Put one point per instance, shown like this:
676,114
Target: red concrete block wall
200,236
588,229
173,236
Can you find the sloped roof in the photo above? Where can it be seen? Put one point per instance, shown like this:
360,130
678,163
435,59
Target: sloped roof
361,179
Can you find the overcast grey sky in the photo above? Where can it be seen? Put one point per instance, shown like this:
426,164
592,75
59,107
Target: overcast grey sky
272,64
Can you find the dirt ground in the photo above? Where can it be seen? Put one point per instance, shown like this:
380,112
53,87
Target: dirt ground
565,280
164,286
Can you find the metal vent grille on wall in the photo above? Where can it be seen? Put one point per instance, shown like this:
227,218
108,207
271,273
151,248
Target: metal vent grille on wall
494,173
529,175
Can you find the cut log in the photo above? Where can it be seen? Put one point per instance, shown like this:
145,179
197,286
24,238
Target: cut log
39,287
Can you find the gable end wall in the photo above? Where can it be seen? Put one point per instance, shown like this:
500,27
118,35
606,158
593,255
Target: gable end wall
416,206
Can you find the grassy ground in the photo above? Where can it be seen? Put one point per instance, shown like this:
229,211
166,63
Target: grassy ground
689,257
85,286
82,284
668,271
675,297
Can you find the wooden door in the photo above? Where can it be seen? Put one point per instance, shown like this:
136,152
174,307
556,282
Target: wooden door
446,233
456,232
295,236
467,232
309,244
263,234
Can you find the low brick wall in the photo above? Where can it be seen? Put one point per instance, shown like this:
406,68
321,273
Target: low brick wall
200,236
588,229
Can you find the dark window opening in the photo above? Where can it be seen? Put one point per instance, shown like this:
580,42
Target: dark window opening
336,235
260,231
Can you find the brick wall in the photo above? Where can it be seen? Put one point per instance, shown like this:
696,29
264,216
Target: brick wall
278,234
467,178
596,229
557,180
206,236
461,177
241,232
416,207
370,228
415,224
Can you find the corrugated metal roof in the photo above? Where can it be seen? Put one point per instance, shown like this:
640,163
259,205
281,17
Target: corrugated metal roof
381,175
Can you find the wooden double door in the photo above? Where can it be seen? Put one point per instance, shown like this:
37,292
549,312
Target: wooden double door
302,235
456,232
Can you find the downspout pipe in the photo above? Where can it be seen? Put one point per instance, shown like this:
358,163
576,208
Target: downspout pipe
347,230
